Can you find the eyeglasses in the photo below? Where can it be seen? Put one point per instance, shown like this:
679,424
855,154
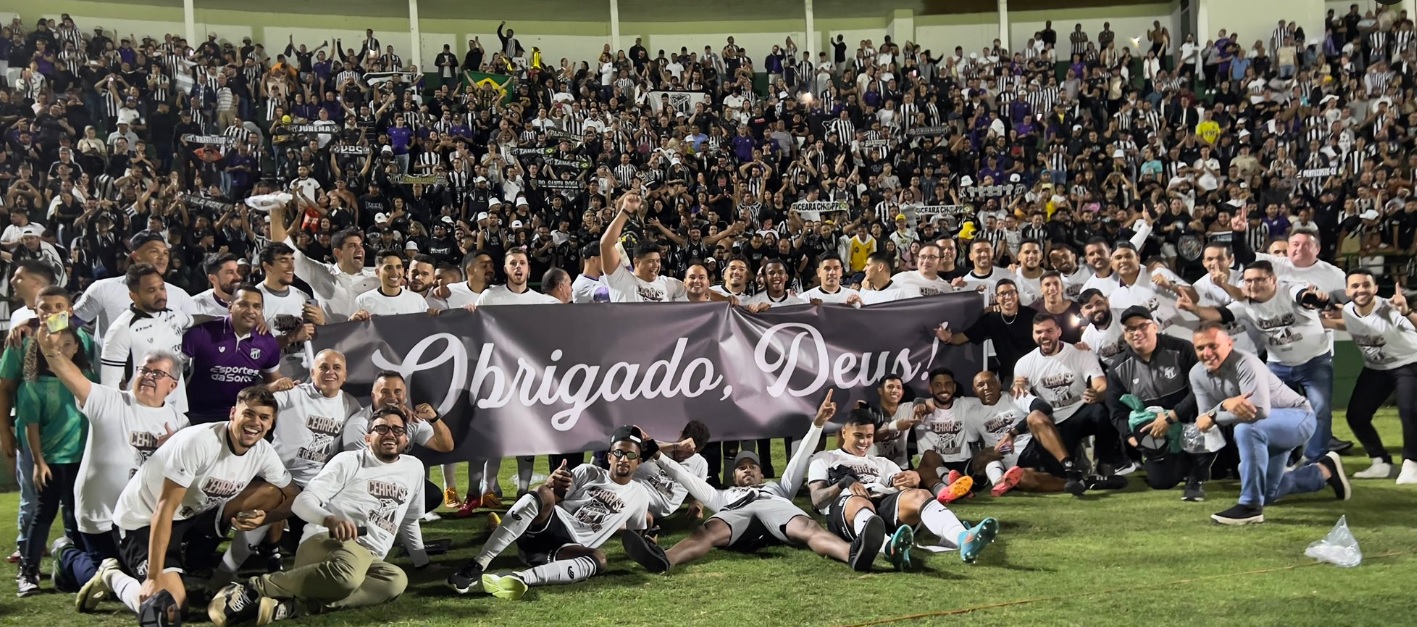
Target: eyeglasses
1136,329
386,429
155,373
630,455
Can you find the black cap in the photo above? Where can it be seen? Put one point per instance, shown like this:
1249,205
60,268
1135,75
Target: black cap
143,238
742,455
627,434
1136,311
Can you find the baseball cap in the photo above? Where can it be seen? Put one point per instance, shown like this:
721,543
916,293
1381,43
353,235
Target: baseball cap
382,218
628,434
1371,214
1135,311
31,229
144,238
448,220
411,245
481,216
746,455
516,224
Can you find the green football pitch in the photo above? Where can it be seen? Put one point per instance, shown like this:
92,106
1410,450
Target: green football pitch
1128,558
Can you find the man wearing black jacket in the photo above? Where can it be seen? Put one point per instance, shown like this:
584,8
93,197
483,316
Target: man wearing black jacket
1155,368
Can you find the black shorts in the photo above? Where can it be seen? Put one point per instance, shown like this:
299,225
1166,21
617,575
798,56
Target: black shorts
536,547
839,525
133,545
1072,432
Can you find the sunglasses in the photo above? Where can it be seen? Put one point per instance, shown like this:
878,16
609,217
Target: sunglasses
386,429
630,455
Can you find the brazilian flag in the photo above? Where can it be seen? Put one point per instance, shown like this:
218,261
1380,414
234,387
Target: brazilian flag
501,82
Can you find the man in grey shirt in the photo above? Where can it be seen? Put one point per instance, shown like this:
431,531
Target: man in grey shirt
1236,388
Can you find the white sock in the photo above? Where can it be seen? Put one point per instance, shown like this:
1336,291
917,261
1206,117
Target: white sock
450,477
125,588
514,524
491,482
474,477
941,522
524,466
863,516
995,471
560,572
242,546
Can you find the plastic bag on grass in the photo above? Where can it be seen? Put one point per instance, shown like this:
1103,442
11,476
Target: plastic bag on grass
1339,547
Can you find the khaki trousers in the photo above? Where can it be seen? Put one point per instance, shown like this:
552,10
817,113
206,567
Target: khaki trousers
332,575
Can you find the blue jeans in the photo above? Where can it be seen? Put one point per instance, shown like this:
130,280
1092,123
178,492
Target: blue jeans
29,497
76,568
1264,448
1316,377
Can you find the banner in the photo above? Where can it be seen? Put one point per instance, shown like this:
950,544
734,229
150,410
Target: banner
680,101
976,192
928,131
349,149
418,179
536,379
1316,173
812,211
212,205
208,140
952,214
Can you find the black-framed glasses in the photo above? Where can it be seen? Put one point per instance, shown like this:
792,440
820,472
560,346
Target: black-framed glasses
630,455
386,429
155,373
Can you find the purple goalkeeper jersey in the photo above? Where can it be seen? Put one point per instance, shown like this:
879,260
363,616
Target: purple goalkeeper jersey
222,365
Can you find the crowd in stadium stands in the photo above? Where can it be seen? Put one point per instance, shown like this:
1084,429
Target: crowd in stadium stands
1166,232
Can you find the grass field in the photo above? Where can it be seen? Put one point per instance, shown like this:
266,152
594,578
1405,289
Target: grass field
1138,557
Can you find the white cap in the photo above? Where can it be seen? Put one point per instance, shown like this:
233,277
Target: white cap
481,216
966,180
1119,154
31,229
480,179
448,220
516,224
1014,178
521,201
382,218
494,201
1371,214
410,245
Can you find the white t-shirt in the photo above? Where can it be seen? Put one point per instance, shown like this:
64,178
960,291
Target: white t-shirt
419,432
1292,334
1106,285
892,292
459,296
406,301
501,295
308,429
927,287
989,423
1321,274
291,303
198,458
973,282
1029,290
587,290
1074,283
842,293
596,507
207,304
107,299
1160,302
945,431
666,494
384,498
1060,379
335,289
131,336
1105,343
764,297
875,473
1388,339
1212,295
115,418
625,287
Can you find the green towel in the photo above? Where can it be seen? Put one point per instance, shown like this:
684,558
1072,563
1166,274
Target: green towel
1140,416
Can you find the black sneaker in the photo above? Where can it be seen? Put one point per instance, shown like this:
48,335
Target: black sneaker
1074,484
645,552
1339,446
27,583
1337,478
1194,492
1239,515
270,555
235,603
273,610
1109,482
466,578
867,545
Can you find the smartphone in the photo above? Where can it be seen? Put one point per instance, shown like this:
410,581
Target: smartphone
57,322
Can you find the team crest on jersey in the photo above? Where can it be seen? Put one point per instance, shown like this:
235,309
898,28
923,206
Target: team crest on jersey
221,349
1169,372
255,353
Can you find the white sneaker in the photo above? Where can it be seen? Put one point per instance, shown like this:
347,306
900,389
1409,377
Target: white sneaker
1378,470
1409,473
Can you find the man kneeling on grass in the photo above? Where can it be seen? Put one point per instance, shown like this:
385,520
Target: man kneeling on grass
559,528
354,509
753,514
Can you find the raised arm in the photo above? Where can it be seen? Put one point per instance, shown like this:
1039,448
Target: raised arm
610,257
791,479
64,368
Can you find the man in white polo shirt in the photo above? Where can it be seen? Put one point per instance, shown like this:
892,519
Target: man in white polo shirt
390,298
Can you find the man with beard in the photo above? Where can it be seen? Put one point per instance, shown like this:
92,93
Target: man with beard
1103,336
1270,420
926,276
336,284
516,291
148,325
1384,330
227,355
894,420
560,528
1155,289
354,510
390,298
753,514
107,299
480,270
1224,284
984,276
1155,368
193,490
1098,255
830,290
880,286
1065,261
1055,302
1071,381
1295,338
861,494
666,494
422,275
735,279
1001,425
945,451
1029,274
443,247
1009,326
775,293
223,276
425,427
644,284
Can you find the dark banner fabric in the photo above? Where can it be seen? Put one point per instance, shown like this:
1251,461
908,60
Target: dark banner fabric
535,379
